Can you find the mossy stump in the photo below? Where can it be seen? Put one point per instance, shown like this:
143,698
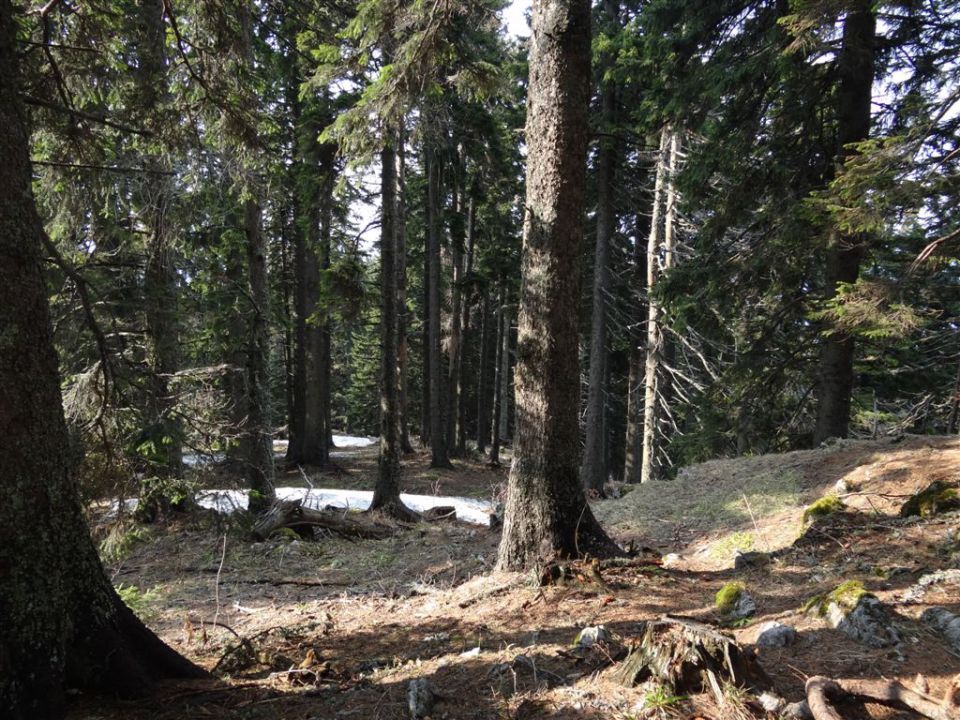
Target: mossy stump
686,656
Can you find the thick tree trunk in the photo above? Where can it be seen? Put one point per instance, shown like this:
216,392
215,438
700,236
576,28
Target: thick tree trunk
386,493
546,511
595,470
855,68
438,441
63,625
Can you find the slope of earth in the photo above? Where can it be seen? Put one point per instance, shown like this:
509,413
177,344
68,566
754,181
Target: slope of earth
338,629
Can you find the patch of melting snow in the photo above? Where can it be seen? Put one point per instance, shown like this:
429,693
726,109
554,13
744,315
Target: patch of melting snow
345,445
471,510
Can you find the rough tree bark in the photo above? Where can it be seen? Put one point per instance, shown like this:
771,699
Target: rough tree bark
594,472
546,511
855,68
63,625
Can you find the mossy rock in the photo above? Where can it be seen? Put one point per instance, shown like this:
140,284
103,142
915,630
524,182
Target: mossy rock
824,507
857,613
727,596
936,498
846,595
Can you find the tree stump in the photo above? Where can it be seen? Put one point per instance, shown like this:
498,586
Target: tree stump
688,656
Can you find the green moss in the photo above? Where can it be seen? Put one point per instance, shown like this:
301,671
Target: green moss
937,497
847,595
827,505
727,596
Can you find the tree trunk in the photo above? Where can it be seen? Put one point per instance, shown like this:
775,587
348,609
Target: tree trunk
63,625
633,450
454,352
160,279
498,385
855,69
386,493
648,469
546,511
467,332
483,385
403,321
316,423
595,470
260,459
438,440
503,373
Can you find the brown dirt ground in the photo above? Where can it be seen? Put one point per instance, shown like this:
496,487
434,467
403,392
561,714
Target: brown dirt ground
367,617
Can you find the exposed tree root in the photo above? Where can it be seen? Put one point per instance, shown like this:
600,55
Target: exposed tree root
823,693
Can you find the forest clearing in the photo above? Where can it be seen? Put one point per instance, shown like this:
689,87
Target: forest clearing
479,359
339,627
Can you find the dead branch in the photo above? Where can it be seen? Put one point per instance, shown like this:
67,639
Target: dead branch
288,513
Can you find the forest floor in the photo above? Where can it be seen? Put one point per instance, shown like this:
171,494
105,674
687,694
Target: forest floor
364,618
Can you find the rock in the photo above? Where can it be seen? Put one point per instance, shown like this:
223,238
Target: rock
420,698
746,606
798,711
857,613
917,591
734,602
841,487
671,560
775,634
946,622
868,622
591,636
936,498
770,702
748,560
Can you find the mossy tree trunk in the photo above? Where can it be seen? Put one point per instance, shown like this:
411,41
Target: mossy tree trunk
63,625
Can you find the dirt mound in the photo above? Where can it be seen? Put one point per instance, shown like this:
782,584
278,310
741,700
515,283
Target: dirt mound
717,508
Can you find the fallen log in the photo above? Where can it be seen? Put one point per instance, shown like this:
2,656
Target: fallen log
823,693
291,513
